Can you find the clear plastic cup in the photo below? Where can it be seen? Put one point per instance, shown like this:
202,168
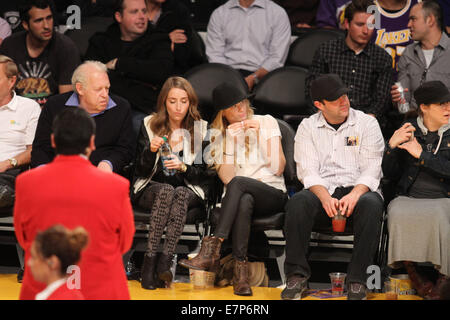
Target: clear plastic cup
337,283
338,222
390,290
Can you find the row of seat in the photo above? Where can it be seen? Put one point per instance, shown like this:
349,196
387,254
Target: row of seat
281,93
272,225
301,50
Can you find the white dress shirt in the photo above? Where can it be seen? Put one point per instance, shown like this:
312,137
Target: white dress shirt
249,38
18,121
347,157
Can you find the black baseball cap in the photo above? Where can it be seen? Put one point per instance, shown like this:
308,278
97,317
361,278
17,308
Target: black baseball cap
432,92
327,87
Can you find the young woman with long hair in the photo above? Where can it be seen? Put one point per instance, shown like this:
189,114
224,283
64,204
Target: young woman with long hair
249,160
168,198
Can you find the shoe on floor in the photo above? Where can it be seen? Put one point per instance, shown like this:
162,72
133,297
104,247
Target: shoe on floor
296,287
356,291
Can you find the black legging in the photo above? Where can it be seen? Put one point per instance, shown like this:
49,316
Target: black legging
169,206
245,198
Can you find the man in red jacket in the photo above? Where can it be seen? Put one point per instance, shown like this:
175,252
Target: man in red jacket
73,192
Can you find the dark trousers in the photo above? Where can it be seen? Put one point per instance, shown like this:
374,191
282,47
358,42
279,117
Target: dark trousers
7,190
246,198
304,211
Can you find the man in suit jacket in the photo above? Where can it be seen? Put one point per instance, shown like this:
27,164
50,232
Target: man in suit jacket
114,139
72,192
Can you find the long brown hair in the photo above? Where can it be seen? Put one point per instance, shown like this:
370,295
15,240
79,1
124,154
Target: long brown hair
159,123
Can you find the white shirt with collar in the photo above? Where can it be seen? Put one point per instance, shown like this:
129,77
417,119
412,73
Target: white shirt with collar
249,38
18,121
345,157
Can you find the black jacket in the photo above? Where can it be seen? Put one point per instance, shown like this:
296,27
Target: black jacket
113,138
140,70
399,165
175,15
196,174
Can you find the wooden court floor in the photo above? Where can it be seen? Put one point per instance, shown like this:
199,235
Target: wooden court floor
10,288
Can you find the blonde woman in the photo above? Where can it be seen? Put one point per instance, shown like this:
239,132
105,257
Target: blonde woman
169,197
250,162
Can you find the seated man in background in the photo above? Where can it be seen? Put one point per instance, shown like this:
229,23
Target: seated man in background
252,36
72,192
428,59
18,120
139,60
364,67
114,143
46,59
338,152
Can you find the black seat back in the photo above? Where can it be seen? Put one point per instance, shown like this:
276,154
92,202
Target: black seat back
301,51
205,77
282,92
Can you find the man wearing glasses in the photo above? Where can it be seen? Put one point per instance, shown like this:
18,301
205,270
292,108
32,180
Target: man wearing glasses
429,57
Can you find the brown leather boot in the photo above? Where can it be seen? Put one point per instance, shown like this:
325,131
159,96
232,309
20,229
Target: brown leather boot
241,285
423,286
208,259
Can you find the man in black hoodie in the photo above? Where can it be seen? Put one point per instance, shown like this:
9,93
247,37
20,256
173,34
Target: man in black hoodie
139,60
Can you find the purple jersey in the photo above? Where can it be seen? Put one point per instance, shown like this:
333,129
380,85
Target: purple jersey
331,13
394,34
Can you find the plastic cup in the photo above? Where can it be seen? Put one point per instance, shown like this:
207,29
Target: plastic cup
338,222
390,290
337,283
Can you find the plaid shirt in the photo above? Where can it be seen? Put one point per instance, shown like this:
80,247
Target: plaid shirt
368,75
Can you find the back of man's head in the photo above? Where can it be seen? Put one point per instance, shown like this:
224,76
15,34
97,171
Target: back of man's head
432,7
357,6
72,131
25,8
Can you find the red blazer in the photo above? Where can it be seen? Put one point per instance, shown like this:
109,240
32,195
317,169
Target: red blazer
64,293
72,192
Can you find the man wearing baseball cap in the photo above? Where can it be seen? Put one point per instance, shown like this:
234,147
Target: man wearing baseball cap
338,152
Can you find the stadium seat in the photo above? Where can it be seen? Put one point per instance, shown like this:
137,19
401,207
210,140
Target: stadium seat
301,51
205,77
281,93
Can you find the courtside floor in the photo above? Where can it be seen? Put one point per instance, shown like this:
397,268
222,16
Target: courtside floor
10,289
